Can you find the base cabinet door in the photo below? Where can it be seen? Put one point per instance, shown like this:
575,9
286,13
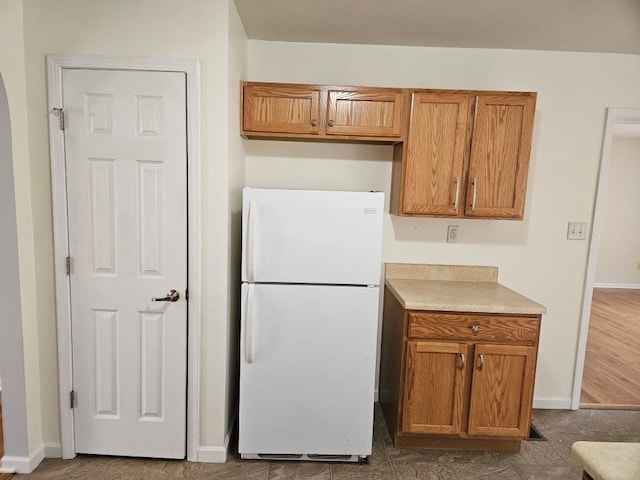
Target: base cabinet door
435,387
502,390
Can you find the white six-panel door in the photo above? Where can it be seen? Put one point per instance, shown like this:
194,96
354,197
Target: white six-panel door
126,164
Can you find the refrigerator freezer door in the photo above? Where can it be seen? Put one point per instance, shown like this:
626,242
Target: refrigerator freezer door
307,369
312,236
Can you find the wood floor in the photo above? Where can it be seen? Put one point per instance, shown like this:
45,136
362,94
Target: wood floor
611,376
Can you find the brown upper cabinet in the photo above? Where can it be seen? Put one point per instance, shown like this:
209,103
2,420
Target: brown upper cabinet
466,155
458,153
320,112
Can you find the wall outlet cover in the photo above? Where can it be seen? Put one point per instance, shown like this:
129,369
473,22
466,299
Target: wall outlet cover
452,233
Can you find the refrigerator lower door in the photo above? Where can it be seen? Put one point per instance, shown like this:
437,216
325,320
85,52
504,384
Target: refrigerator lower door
307,370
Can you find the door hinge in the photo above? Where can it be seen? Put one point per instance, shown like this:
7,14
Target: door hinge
68,265
72,399
186,294
60,113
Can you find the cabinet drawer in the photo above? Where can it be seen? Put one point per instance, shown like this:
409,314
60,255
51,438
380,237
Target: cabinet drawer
451,326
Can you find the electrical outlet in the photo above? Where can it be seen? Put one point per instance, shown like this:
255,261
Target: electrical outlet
577,231
452,233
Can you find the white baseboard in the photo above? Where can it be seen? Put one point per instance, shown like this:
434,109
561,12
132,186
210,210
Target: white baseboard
52,450
213,454
216,454
22,464
631,286
552,403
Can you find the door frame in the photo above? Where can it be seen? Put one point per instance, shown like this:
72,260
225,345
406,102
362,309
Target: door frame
191,68
615,116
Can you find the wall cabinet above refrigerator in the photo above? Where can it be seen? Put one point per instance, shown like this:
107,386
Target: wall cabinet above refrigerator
321,112
457,153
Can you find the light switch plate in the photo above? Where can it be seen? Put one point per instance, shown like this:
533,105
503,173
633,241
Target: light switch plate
577,231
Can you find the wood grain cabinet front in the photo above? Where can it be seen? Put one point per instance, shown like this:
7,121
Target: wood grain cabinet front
457,380
271,109
466,155
321,112
434,394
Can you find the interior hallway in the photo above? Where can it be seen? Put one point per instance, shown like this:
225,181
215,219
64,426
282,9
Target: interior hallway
611,378
539,460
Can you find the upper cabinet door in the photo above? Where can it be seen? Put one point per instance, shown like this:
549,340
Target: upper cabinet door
365,112
281,109
499,160
433,173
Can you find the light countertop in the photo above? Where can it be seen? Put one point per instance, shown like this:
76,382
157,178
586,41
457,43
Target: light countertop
455,288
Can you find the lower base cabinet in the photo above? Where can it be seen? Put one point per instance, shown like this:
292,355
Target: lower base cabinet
457,380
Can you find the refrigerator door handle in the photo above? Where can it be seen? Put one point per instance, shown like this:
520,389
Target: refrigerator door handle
251,242
248,326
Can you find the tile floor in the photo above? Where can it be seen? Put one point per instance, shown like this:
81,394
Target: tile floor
538,460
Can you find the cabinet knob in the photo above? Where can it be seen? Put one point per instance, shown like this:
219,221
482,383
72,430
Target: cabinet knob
475,329
314,123
331,123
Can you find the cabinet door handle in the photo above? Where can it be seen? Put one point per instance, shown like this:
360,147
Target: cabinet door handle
481,363
331,123
314,123
475,191
455,202
475,328
461,367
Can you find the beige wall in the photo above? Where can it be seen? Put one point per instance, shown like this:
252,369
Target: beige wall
534,257
619,248
198,29
237,72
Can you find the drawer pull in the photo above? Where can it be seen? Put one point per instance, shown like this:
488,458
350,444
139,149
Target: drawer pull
461,367
481,363
475,329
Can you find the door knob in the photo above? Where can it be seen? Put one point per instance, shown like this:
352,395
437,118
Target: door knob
172,296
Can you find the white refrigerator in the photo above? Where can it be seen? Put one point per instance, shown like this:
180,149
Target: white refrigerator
311,263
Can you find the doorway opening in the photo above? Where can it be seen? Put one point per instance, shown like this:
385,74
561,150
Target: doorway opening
605,270
611,378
